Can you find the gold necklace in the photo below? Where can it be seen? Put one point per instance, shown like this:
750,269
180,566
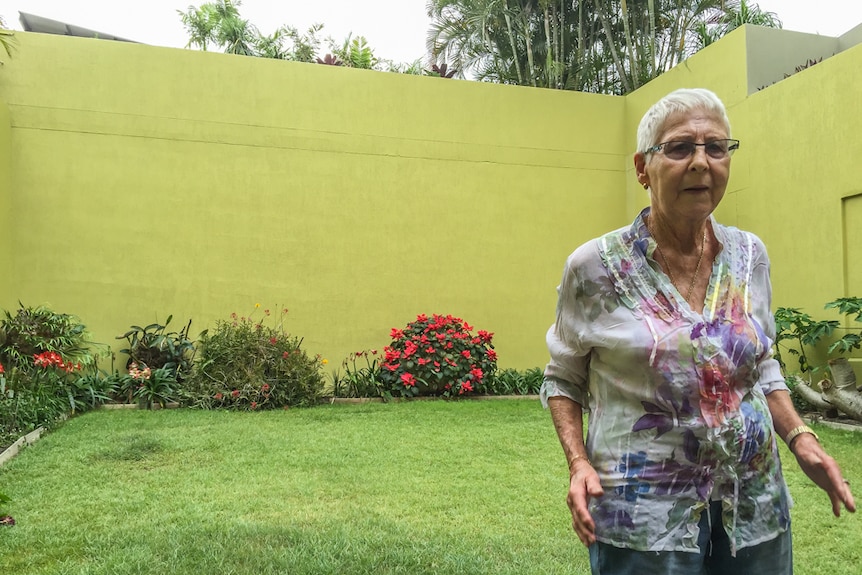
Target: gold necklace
667,264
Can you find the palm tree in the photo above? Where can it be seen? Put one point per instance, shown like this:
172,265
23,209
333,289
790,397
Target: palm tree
609,46
7,39
220,23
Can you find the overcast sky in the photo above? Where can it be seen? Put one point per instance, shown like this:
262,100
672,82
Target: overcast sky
395,29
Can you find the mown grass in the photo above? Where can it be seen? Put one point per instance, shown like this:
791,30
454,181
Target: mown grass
421,487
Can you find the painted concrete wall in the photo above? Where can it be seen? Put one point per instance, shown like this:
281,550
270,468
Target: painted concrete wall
5,204
151,181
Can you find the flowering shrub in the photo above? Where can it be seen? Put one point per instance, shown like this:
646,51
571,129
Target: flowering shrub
438,355
32,330
246,365
151,386
49,370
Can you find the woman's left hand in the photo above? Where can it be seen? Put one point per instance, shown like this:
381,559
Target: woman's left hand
824,471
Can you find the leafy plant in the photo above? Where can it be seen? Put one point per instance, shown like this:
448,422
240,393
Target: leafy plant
513,382
847,306
151,387
360,380
244,364
438,355
155,347
89,391
441,71
797,326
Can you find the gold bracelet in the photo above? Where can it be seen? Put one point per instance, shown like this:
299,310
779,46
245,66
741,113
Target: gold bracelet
796,431
574,459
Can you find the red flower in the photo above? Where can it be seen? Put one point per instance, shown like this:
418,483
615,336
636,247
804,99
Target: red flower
254,405
396,333
468,327
391,366
1,368
466,386
218,396
466,353
408,380
273,341
392,354
235,393
423,361
486,337
410,348
421,317
265,387
285,354
429,349
492,355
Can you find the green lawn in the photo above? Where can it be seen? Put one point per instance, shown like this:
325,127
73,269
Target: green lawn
419,487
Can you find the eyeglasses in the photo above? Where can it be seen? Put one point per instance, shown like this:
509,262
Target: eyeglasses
716,149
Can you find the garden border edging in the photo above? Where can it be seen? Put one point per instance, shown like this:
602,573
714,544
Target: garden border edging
28,439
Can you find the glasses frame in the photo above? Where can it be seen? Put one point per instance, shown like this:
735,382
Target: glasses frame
732,146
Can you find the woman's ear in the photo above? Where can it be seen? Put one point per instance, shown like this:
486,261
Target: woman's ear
640,170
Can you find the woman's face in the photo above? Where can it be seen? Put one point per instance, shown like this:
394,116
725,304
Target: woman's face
691,188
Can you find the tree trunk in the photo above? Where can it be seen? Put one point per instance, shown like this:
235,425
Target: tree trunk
609,38
633,61
843,376
842,393
512,42
811,396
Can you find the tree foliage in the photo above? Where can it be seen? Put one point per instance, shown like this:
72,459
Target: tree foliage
606,46
219,25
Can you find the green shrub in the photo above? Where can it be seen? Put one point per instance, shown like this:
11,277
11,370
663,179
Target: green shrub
360,380
155,347
513,382
243,364
438,356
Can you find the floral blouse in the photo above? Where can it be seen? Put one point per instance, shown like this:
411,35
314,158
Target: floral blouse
677,398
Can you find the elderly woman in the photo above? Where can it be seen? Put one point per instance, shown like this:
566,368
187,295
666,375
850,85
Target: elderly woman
664,334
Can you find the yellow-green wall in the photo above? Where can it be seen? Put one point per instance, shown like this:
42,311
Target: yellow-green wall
140,182
153,181
6,262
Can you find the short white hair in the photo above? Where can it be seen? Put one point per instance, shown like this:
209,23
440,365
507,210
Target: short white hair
682,100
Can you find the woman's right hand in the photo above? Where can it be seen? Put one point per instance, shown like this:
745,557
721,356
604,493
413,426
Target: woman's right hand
583,486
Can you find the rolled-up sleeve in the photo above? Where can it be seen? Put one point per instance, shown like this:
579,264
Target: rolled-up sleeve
567,372
770,377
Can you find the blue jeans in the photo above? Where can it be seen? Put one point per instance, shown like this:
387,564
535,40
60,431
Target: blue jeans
773,557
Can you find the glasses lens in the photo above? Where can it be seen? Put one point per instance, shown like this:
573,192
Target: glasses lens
678,150
717,149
